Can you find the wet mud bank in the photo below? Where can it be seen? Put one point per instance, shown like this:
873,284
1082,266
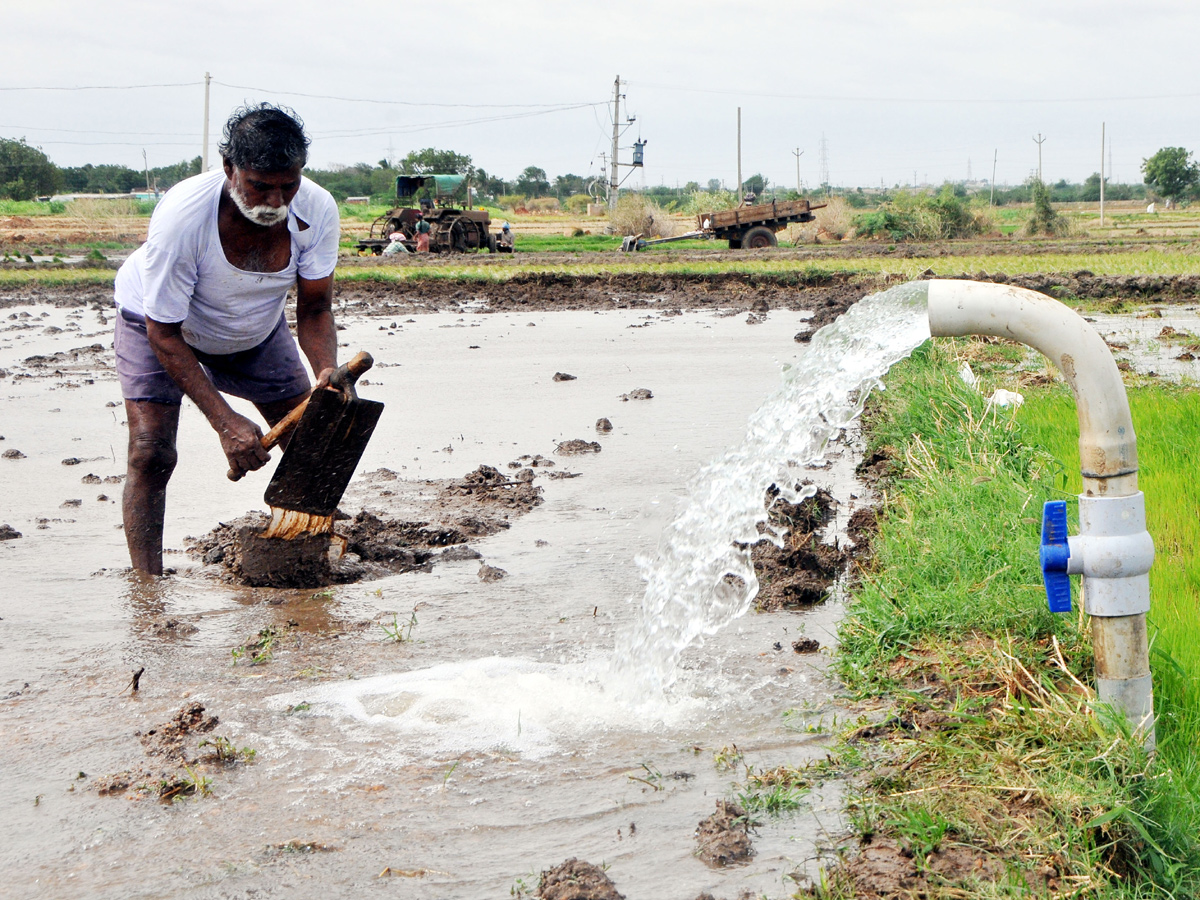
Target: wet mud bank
399,526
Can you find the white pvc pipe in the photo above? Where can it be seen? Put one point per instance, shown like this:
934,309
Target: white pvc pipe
1113,551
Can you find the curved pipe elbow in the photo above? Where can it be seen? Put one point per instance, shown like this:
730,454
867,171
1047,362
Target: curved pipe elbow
1107,444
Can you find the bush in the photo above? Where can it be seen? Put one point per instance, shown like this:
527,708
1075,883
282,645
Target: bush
637,215
511,201
913,216
542,204
707,201
1044,220
577,203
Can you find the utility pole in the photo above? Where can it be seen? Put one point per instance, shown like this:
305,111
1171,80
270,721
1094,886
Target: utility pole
797,153
204,151
741,189
1039,140
615,184
825,164
146,164
1102,174
992,198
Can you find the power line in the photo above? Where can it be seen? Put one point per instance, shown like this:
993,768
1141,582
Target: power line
94,131
242,87
105,87
849,98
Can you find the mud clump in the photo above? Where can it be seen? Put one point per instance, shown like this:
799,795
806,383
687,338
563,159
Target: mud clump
169,740
12,454
173,741
863,525
723,838
798,574
885,868
577,446
371,544
577,880
638,394
491,574
806,645
8,533
563,376
604,426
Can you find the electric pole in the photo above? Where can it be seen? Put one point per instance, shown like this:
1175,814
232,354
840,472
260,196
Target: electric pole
1102,174
204,151
797,153
615,184
992,198
825,164
741,190
1039,140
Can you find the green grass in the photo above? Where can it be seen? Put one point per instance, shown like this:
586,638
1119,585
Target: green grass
995,741
1166,419
30,208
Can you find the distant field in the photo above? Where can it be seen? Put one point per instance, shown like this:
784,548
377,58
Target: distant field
505,268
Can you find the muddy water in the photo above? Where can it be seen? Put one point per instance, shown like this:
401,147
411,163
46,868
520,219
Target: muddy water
475,753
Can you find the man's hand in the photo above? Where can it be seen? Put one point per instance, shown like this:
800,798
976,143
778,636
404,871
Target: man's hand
323,378
241,440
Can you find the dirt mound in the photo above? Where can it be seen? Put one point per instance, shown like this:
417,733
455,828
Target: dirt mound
577,446
577,880
885,868
8,533
372,543
723,837
798,574
169,739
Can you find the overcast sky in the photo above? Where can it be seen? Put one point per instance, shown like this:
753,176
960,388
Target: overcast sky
923,89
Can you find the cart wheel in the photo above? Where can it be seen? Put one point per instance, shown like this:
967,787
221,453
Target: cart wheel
759,238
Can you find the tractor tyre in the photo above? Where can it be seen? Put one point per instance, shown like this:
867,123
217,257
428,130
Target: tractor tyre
759,238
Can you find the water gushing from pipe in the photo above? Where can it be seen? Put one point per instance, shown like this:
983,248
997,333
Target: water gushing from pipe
699,581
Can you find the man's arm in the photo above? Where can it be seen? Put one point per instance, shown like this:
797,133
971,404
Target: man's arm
240,437
315,329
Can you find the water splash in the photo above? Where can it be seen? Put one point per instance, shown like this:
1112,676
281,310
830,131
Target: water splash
698,581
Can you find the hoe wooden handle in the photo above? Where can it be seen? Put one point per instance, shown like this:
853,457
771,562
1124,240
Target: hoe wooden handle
345,374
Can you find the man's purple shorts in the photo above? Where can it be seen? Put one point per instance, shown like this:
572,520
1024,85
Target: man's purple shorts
263,374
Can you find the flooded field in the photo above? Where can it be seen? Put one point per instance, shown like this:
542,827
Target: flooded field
434,734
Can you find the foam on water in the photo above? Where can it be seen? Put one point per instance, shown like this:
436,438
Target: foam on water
494,704
699,581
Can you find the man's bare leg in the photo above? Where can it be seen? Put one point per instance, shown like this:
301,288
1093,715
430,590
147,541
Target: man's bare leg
150,462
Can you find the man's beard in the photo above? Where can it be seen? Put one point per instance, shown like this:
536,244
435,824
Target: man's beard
260,215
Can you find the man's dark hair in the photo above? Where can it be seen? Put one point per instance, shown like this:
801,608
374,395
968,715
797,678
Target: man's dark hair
265,138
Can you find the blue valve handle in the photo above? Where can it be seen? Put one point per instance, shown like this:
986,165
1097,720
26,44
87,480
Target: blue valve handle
1054,554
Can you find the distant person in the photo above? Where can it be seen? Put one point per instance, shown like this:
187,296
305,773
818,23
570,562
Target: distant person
749,199
202,309
505,243
422,230
396,246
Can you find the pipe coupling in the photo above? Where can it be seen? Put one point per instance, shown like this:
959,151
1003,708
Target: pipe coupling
1113,552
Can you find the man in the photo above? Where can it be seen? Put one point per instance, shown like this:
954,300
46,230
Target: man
202,309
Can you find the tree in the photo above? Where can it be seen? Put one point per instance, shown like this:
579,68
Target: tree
714,185
1090,191
566,185
432,161
26,172
1171,172
533,182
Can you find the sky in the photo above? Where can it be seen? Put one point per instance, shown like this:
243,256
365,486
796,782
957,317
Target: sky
894,93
